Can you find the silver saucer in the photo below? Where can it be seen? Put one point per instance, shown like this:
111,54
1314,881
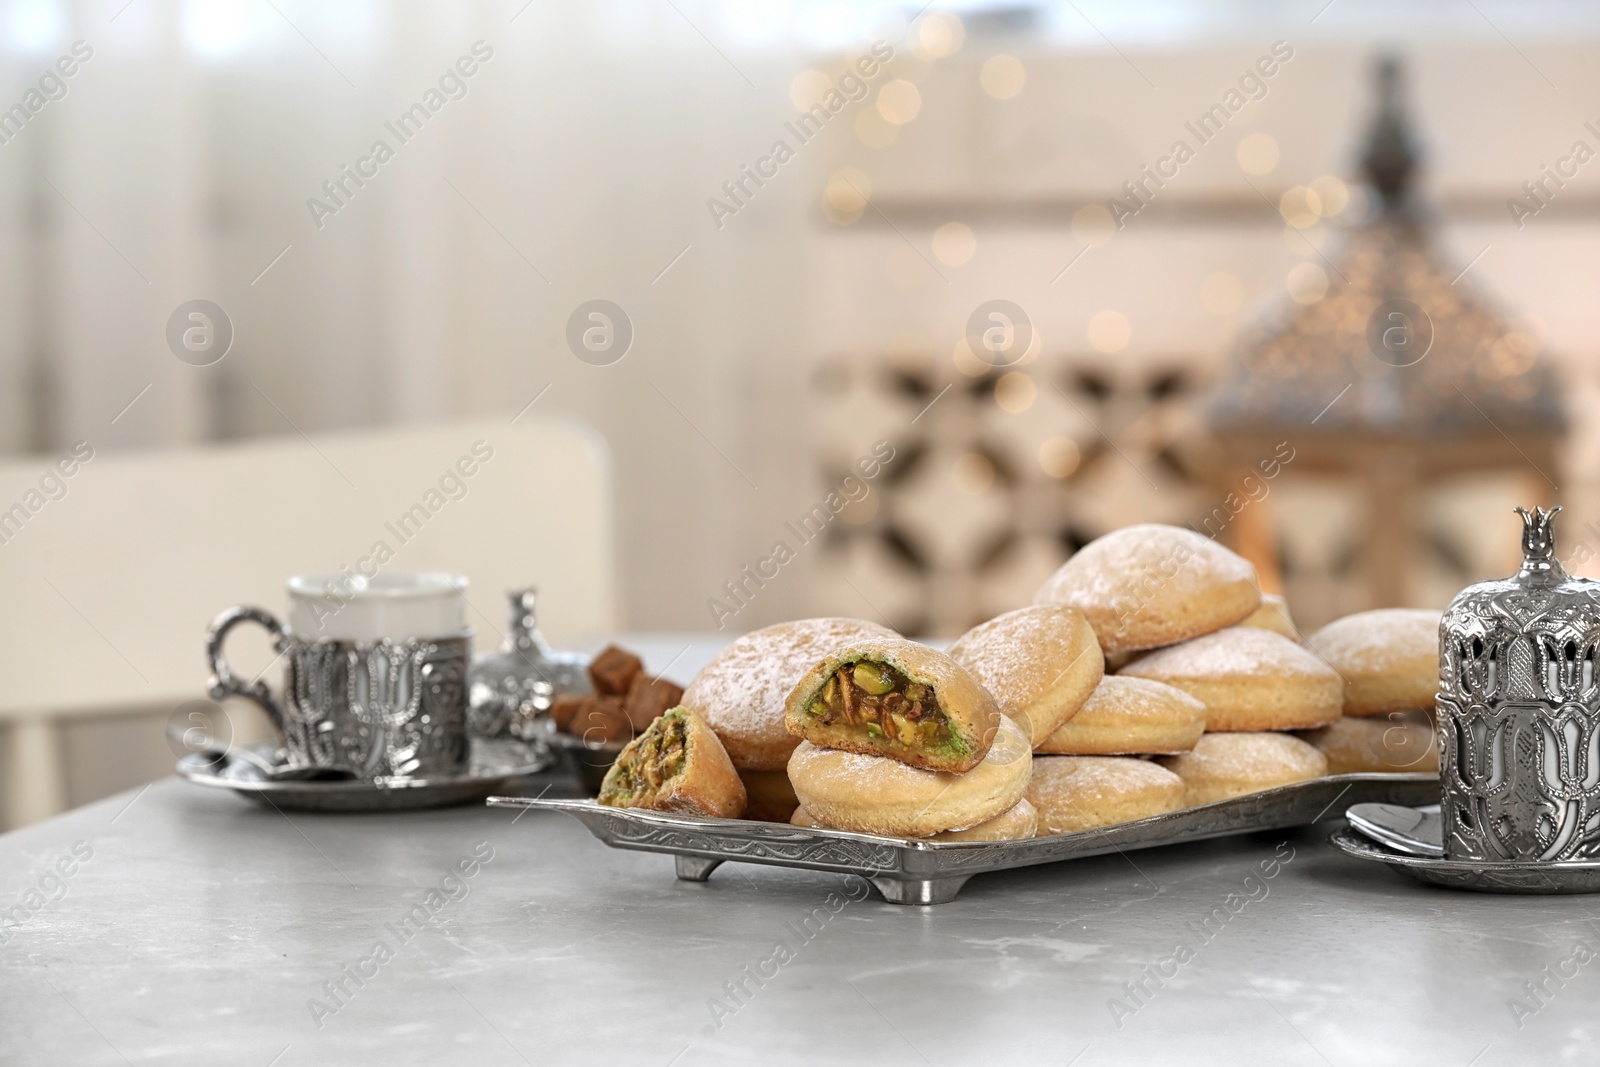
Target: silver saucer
491,765
1528,878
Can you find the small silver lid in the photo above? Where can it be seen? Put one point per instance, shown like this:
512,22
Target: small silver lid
515,686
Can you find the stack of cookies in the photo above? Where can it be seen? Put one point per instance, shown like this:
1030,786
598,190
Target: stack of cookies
741,694
1046,669
1389,660
1178,610
838,723
1149,675
899,739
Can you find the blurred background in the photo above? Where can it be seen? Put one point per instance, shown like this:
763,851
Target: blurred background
980,296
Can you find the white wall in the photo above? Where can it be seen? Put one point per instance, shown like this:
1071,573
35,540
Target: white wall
584,152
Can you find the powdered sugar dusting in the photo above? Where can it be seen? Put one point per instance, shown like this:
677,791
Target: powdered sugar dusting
741,692
1378,641
1109,571
1005,634
1090,779
1250,757
1235,652
829,782
999,652
1124,698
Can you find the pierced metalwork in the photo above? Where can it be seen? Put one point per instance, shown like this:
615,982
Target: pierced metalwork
1519,711
514,687
386,710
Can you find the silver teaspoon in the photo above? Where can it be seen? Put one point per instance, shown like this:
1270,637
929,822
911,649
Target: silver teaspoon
1403,829
269,768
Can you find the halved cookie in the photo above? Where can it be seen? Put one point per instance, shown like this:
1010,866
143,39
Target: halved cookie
1273,614
1076,793
892,697
676,765
1401,742
740,693
1389,658
1152,585
1017,824
1231,765
1130,717
1039,663
874,795
1248,679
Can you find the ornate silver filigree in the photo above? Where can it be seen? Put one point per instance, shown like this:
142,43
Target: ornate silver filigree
514,687
386,710
776,844
908,871
1519,712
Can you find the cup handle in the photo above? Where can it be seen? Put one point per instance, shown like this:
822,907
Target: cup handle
223,682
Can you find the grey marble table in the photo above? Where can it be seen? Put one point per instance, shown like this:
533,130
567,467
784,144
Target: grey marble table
177,925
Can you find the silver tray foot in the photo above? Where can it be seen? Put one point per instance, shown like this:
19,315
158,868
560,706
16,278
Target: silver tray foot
920,890
695,868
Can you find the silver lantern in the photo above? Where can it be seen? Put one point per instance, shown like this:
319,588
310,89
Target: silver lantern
1519,712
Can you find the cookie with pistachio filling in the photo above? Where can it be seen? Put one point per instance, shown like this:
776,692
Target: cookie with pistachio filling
874,795
676,765
886,696
741,692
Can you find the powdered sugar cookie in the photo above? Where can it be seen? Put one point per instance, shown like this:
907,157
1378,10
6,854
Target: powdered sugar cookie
676,765
1082,792
1248,679
1039,663
740,693
878,795
1148,586
1389,658
1401,742
886,696
1127,716
1231,765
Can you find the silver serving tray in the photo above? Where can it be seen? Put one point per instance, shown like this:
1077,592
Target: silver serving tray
492,765
1545,879
908,871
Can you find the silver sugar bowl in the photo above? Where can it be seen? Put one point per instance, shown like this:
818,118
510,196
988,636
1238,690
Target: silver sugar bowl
514,687
1519,712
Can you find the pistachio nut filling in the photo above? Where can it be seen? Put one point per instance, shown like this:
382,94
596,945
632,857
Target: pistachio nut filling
877,701
653,761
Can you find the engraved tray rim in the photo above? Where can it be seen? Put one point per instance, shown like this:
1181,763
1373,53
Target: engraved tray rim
911,868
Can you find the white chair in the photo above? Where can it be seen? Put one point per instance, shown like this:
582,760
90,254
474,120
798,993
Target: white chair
109,576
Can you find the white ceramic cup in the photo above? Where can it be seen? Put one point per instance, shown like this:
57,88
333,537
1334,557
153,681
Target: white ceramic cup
394,605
